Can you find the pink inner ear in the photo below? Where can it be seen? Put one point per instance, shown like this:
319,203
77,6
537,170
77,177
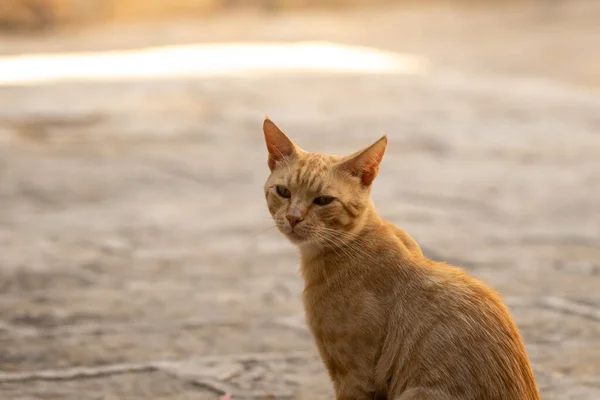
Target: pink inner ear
277,152
369,173
368,164
272,162
279,145
274,152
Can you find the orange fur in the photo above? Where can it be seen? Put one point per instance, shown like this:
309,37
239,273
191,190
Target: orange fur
388,322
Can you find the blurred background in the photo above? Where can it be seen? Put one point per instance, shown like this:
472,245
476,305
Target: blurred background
137,259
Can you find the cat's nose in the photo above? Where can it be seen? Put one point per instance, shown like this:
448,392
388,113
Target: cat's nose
293,220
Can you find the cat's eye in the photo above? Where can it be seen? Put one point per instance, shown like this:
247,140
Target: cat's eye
284,192
323,200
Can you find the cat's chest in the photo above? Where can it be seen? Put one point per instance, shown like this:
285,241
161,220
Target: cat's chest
340,310
348,327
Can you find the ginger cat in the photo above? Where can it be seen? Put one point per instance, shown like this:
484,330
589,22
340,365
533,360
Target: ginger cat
388,322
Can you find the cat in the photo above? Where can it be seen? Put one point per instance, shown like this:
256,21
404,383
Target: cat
389,323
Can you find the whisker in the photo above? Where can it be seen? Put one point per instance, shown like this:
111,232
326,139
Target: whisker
264,230
334,246
326,240
347,246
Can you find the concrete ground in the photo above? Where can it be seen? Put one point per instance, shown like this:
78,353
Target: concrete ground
136,255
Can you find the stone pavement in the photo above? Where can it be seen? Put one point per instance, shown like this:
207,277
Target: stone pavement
136,255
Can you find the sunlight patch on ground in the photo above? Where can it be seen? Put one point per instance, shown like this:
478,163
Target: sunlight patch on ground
205,60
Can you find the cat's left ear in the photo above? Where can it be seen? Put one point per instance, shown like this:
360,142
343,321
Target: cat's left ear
280,147
365,163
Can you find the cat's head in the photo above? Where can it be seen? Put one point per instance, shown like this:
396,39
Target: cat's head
315,198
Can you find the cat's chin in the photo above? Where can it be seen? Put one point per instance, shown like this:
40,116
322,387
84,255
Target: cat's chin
295,238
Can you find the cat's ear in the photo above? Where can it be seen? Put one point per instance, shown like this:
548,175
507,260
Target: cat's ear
280,147
365,163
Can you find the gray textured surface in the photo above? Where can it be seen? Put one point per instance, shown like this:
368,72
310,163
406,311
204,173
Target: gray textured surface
132,220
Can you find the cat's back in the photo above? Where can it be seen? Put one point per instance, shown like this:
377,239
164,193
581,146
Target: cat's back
441,327
454,332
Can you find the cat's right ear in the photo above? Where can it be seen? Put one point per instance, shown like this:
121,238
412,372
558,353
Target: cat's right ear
281,148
